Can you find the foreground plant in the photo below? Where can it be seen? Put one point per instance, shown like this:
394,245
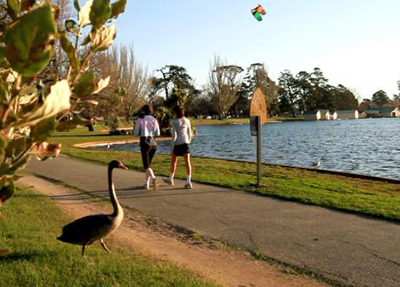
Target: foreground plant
34,104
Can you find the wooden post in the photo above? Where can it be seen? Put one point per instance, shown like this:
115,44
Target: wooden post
256,132
258,116
259,152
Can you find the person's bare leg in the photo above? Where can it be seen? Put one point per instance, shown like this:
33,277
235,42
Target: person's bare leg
151,177
174,161
147,178
188,168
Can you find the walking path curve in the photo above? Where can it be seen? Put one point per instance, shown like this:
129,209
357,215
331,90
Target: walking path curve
353,249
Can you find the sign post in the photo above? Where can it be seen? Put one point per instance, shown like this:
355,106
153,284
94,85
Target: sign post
258,116
256,131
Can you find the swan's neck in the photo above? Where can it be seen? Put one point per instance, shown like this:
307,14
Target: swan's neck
113,196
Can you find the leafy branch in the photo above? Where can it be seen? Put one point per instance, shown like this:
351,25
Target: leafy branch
30,111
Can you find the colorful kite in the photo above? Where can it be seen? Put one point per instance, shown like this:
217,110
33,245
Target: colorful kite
258,11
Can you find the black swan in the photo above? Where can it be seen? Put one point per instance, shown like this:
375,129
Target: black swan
86,230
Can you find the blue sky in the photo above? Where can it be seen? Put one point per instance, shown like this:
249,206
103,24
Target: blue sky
355,42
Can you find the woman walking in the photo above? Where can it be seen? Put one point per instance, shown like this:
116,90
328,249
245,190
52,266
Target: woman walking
181,138
147,128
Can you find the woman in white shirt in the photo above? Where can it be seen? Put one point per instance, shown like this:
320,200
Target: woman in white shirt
181,138
147,128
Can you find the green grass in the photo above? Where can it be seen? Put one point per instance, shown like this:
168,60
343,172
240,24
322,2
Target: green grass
29,228
364,196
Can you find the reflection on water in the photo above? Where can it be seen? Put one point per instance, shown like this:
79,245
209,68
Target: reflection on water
366,146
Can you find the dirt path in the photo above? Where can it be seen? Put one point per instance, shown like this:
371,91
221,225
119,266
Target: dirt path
227,267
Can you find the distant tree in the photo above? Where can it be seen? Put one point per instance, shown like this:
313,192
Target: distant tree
257,76
365,104
344,99
223,85
164,108
59,62
174,88
322,95
397,96
172,76
284,104
380,98
202,106
288,95
190,103
313,91
304,89
128,84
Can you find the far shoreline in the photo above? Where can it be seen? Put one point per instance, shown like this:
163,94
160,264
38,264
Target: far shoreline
204,122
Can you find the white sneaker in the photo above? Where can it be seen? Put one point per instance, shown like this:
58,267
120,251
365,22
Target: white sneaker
188,185
168,181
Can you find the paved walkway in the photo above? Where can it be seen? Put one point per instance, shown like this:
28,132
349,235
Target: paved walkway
350,248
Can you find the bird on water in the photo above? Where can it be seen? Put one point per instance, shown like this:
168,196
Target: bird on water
316,164
86,230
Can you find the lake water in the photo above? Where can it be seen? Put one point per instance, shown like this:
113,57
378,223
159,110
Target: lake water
364,146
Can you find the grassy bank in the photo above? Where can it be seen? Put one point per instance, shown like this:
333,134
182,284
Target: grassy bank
364,196
38,259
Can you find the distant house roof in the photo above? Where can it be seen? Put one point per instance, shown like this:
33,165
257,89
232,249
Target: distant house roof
372,112
324,111
310,112
386,109
346,111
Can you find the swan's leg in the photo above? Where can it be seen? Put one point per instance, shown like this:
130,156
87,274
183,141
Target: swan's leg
83,249
104,246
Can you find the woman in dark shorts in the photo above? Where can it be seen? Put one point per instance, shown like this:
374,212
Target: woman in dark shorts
147,128
181,138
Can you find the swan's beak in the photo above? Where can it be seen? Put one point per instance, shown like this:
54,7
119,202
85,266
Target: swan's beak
122,166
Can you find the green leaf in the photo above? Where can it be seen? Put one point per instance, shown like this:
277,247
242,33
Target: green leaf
70,25
76,5
43,130
117,8
2,53
30,41
13,7
70,51
100,13
4,167
3,142
56,102
86,85
4,93
103,38
21,164
16,146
